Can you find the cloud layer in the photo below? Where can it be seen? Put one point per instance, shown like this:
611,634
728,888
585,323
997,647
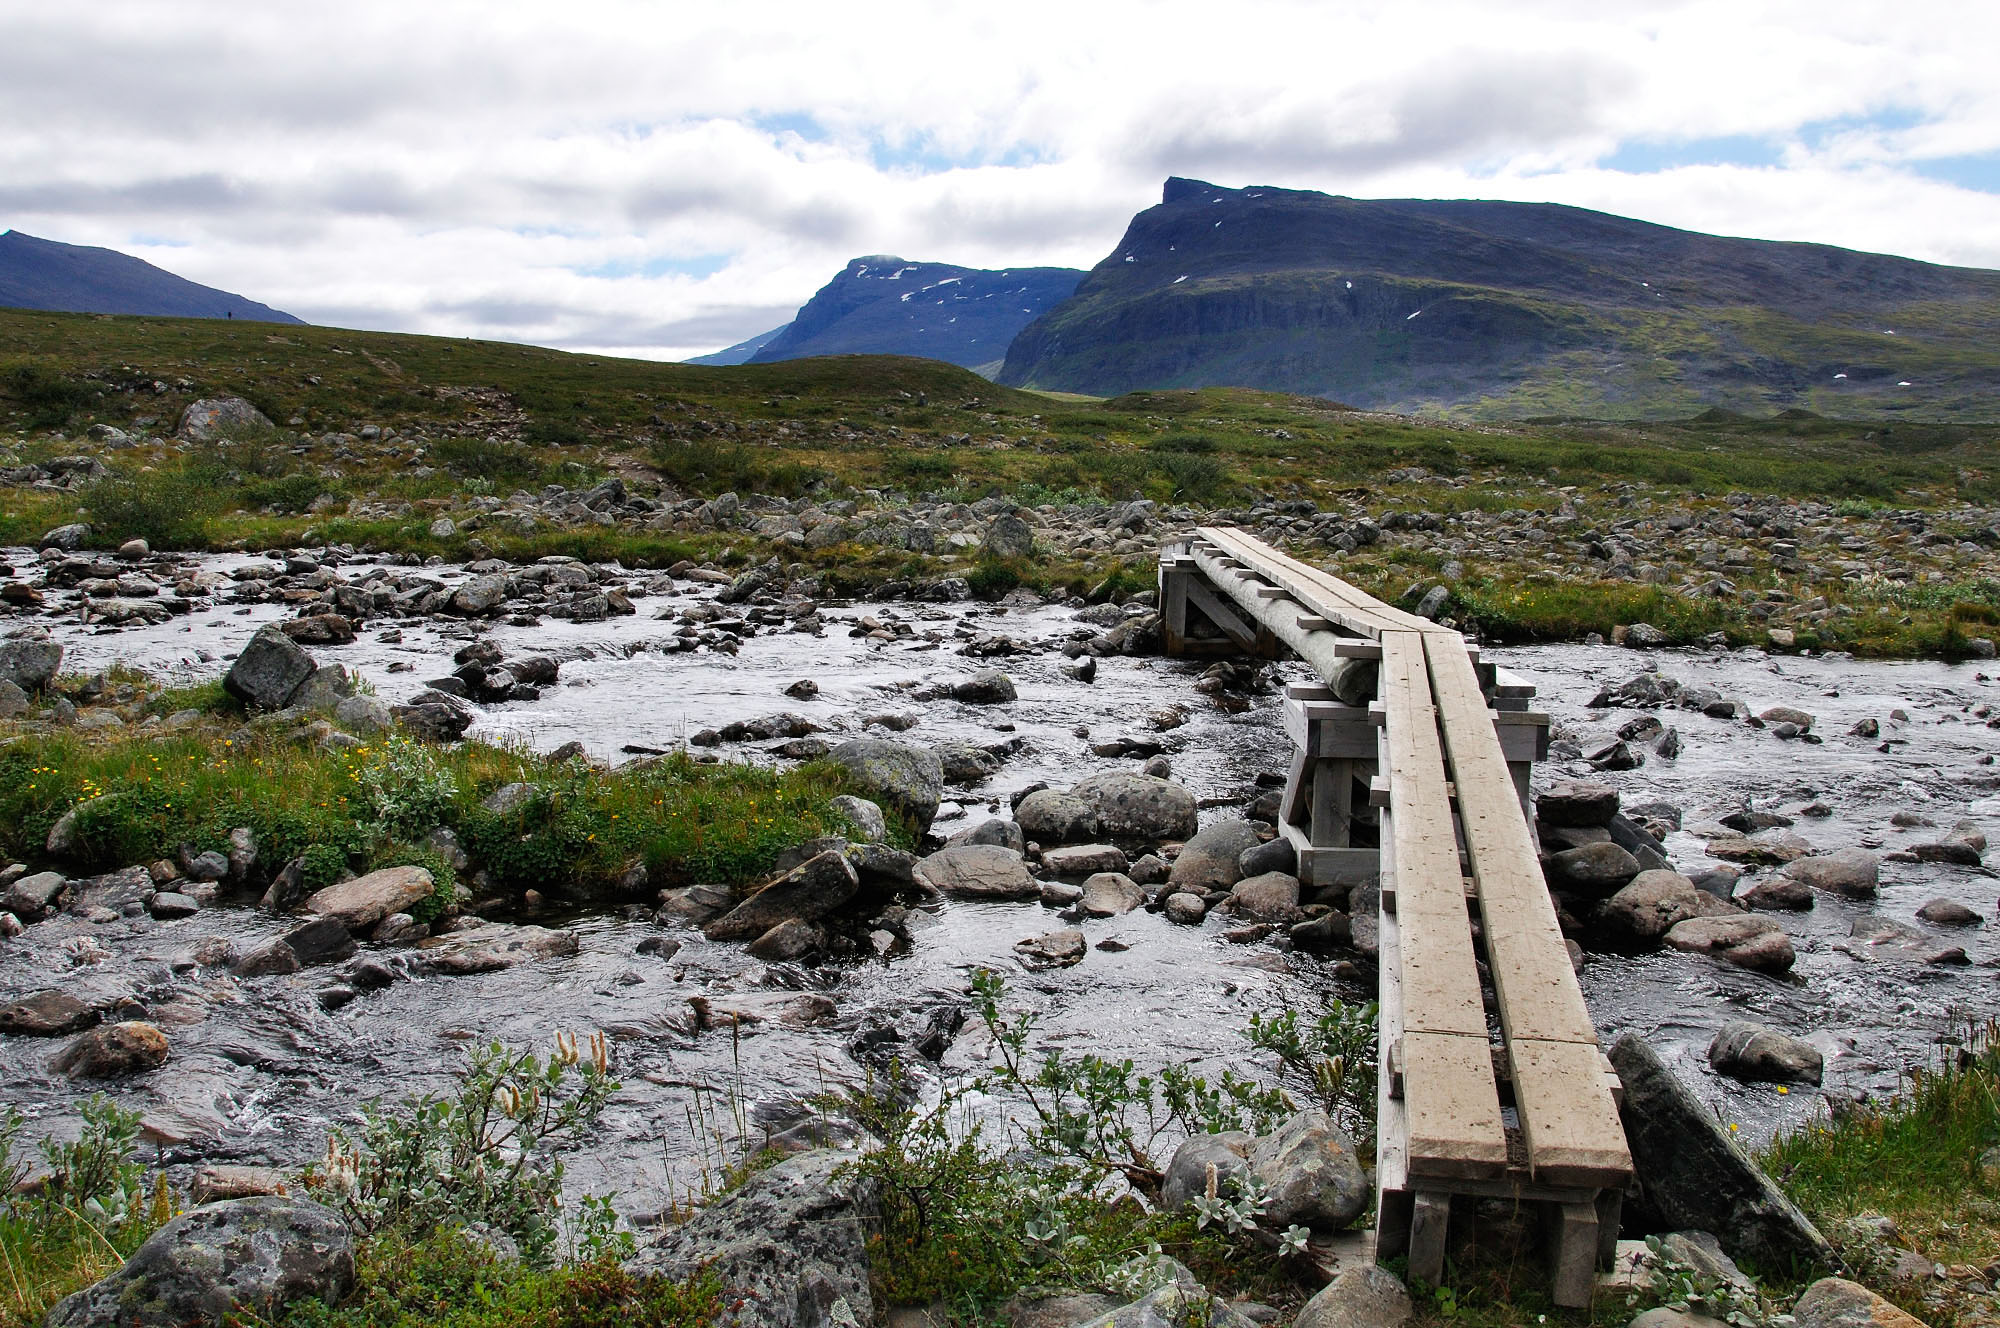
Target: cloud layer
662,179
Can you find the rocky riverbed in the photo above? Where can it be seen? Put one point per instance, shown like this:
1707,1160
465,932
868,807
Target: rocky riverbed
1890,761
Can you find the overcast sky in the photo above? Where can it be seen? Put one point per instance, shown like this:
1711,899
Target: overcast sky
662,179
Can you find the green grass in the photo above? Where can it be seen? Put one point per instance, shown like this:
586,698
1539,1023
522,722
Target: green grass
1915,1158
142,798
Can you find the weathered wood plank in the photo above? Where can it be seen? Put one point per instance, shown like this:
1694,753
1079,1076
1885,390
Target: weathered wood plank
1539,996
1453,1108
1440,977
1326,596
1567,1117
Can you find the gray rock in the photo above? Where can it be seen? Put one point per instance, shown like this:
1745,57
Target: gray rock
905,781
271,958
1178,1304
1748,941
978,871
1187,1171
1835,1302
808,893
1310,1174
987,687
1061,1310
329,685
366,715
965,764
1664,1317
1853,873
1276,855
1949,913
220,1262
1056,949
790,940
113,1051
208,865
1365,1296
1647,908
1003,834
14,702
1272,897
1574,803
1186,909
1047,816
790,1247
48,1013
479,596
68,538
1798,719
170,904
123,891
1009,537
271,668
1108,894
364,901
213,418
30,663
1743,1050
1211,860
1696,1178
324,940
32,898
1593,869
1084,859
863,815
1134,809
1781,893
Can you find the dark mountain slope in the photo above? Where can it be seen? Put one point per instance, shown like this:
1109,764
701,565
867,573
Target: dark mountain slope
741,352
1498,309
46,274
880,305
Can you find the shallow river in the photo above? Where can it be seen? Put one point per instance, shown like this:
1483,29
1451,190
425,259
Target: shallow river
259,1070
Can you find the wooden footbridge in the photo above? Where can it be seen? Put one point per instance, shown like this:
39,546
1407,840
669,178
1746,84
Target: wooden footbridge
1412,769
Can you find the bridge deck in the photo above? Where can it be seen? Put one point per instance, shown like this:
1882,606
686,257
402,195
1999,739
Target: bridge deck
1446,775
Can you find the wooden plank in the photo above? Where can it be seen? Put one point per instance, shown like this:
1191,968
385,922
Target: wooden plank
1539,996
1222,614
1567,1117
1430,1222
1326,596
1440,978
1453,1108
1573,1271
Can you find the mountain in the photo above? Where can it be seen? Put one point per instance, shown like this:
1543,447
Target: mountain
740,353
70,278
1494,309
881,305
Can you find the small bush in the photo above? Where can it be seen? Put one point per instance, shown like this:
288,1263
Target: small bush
50,398
498,463
485,1154
708,467
166,508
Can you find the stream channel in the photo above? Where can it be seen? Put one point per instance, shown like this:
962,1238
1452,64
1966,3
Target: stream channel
259,1071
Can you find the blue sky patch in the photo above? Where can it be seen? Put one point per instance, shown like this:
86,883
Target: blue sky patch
697,266
1980,172
1644,158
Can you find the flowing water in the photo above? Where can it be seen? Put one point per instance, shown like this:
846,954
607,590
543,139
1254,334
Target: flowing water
259,1070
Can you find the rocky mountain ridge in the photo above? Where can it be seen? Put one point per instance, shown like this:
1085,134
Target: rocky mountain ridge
71,278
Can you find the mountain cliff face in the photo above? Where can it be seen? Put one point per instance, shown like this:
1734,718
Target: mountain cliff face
46,274
881,305
1509,309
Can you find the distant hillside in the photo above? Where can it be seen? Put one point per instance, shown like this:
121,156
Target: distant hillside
881,305
70,278
741,352
1510,309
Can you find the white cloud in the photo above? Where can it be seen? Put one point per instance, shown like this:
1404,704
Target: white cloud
464,168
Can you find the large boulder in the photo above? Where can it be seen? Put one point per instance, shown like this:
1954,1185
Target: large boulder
270,669
1835,1302
1139,809
1211,860
807,893
1598,869
30,663
790,1247
1746,940
1743,1050
1049,816
1851,872
212,418
219,1263
481,595
1187,1171
986,687
1696,1178
113,1051
361,903
1310,1174
1364,1296
1648,908
47,1013
1574,803
1008,537
905,781
978,871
